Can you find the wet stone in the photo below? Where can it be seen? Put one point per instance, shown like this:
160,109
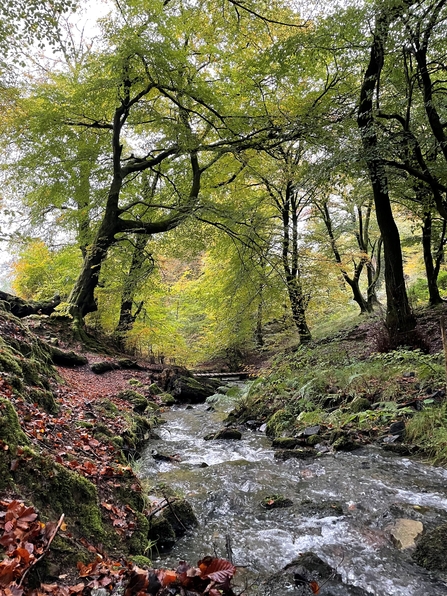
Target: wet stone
404,533
284,454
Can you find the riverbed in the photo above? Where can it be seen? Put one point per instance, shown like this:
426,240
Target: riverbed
343,504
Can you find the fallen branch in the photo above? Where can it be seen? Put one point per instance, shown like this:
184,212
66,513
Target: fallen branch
47,548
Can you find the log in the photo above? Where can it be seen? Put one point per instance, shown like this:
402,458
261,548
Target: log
23,308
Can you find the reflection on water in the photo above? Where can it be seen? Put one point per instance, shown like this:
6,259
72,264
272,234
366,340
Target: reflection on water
373,489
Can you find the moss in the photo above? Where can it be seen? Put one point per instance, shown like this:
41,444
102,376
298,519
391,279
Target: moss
431,548
117,441
10,430
12,436
135,383
31,371
44,399
84,424
109,408
154,389
285,442
313,440
167,399
359,404
277,423
8,363
57,490
101,429
138,542
141,561
130,395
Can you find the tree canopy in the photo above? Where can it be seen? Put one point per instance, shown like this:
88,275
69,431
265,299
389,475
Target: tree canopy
275,154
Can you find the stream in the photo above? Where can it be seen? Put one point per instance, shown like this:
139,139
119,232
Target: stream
373,488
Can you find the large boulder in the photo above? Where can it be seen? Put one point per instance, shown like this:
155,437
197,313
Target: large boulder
185,388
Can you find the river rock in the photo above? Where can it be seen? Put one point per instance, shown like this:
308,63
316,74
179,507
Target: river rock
225,433
285,454
304,576
404,533
285,442
431,549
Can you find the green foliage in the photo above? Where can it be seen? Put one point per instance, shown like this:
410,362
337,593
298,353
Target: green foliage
40,273
428,430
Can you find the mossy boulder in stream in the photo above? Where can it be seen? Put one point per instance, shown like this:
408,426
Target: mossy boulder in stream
432,548
172,518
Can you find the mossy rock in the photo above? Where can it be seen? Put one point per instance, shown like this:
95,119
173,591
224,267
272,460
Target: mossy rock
108,408
161,533
12,436
345,443
154,389
135,398
56,490
135,383
43,398
313,440
285,442
277,423
359,404
224,434
8,363
11,432
431,549
167,399
171,523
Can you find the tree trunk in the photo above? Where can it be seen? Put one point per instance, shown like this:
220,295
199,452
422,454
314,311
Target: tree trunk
399,317
132,281
430,269
298,302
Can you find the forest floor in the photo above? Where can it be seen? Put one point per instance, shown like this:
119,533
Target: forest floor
72,510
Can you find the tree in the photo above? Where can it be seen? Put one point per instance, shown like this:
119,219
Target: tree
399,317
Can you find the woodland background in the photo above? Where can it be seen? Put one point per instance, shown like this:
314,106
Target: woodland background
191,175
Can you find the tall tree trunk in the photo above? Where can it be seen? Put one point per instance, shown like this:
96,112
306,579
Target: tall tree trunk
399,317
132,281
432,264
298,301
373,273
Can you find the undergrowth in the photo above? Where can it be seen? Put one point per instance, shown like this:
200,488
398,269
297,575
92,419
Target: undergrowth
329,386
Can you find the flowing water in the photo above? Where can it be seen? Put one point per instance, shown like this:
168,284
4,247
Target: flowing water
372,487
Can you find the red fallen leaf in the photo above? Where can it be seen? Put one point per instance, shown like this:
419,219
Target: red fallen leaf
138,581
24,555
166,576
107,506
13,590
76,589
9,526
218,570
314,587
8,569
